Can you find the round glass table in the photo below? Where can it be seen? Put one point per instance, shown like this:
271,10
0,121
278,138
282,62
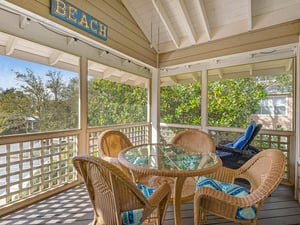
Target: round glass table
166,160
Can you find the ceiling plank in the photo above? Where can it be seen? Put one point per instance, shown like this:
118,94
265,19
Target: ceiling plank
168,25
187,23
204,18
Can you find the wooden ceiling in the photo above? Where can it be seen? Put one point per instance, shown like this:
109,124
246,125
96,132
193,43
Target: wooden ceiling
170,25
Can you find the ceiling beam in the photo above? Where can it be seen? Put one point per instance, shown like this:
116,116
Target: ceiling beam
250,20
204,18
54,58
187,23
167,23
289,65
108,72
11,45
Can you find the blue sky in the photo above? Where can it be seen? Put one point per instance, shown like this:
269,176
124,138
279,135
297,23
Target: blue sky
9,65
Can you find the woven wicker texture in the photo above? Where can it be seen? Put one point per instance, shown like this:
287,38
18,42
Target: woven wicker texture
196,141
110,143
263,171
112,193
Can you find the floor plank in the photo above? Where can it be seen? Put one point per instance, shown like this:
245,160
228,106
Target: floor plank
73,207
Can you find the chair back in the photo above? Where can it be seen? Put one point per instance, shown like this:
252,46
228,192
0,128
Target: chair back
264,170
194,140
111,142
109,190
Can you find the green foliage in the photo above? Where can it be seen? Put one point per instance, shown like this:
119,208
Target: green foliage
39,105
115,103
181,104
232,101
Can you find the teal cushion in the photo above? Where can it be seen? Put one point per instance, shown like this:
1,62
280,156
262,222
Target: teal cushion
231,189
133,217
147,191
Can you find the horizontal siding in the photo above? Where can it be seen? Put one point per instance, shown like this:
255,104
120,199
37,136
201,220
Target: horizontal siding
265,38
124,34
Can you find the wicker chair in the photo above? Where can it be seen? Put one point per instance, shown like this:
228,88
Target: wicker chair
113,196
263,172
196,141
110,143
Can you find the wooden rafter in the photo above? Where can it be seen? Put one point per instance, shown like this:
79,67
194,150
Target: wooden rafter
250,20
186,21
166,21
204,18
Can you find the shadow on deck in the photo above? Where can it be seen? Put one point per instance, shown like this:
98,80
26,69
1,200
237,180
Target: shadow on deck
73,207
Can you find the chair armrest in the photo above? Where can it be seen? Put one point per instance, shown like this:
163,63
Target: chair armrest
162,192
219,196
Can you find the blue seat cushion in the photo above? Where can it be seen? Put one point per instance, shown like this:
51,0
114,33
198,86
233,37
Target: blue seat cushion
231,189
147,191
134,217
243,139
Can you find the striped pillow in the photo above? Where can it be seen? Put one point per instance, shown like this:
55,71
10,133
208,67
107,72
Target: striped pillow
231,189
134,217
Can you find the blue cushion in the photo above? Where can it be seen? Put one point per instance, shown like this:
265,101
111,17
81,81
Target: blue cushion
133,217
231,189
250,129
240,143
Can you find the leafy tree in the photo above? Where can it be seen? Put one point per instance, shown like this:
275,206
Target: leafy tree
52,103
14,108
115,103
181,104
232,101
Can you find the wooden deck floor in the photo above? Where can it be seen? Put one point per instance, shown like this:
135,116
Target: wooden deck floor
73,207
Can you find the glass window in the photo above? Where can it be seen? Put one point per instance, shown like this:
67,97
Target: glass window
262,92
35,97
115,97
273,105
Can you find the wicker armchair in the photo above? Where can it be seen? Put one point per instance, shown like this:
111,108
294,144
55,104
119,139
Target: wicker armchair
114,197
263,172
196,141
110,143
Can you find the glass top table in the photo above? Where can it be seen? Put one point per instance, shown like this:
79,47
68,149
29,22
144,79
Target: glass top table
167,160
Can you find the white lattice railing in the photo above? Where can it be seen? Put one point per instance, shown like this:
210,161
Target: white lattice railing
36,166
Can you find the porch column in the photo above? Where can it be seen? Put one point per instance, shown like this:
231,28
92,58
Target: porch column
155,106
83,111
297,126
204,100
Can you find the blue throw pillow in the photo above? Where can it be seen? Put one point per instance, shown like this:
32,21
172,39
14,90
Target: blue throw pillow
147,191
133,217
231,189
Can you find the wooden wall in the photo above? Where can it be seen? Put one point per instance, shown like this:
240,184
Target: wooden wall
124,34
